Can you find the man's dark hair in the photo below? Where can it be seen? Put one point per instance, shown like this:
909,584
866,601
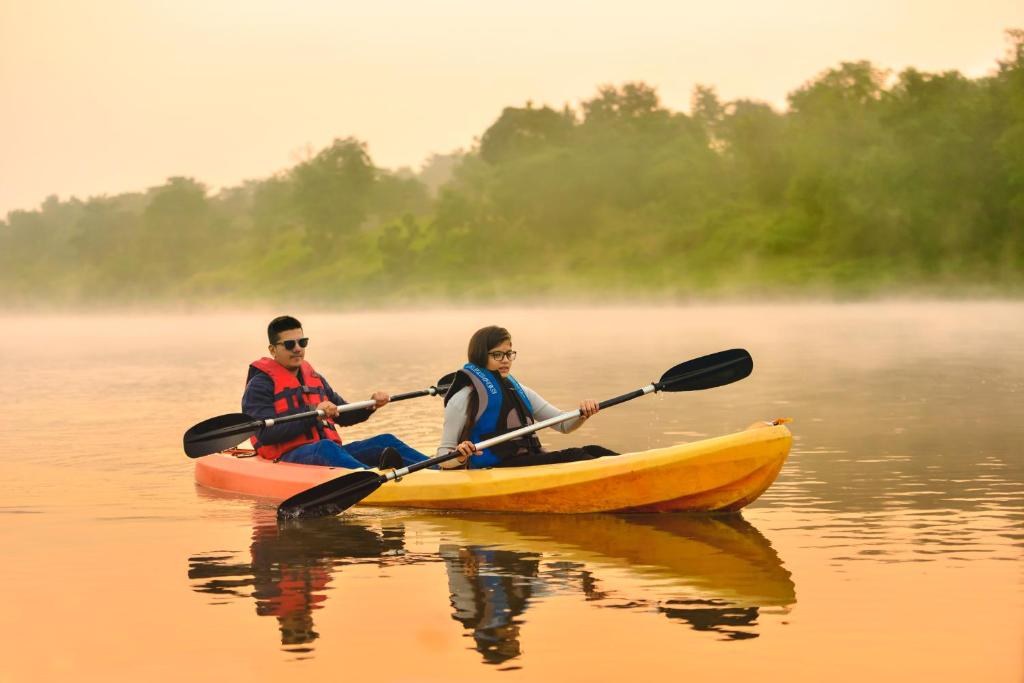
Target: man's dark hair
281,323
483,340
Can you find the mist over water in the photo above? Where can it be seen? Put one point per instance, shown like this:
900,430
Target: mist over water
893,531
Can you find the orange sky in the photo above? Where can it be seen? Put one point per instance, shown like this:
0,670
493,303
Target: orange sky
108,96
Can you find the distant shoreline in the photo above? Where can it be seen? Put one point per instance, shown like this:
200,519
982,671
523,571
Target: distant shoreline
980,296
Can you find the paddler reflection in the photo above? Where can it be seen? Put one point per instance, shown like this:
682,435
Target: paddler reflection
490,589
290,566
717,575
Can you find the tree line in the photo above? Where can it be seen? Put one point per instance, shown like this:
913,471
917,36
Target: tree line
867,182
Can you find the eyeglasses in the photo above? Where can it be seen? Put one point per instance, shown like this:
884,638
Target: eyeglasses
498,355
290,343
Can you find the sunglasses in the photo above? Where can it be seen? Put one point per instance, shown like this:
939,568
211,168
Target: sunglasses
290,343
498,355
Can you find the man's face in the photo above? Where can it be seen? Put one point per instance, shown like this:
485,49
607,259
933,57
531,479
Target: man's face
291,359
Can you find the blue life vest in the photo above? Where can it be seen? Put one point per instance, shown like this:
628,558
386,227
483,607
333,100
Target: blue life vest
494,416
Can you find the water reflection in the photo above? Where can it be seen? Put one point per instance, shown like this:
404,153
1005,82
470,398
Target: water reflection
714,574
490,589
289,567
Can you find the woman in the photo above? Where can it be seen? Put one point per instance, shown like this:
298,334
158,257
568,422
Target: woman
485,400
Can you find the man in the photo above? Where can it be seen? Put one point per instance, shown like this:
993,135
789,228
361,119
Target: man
285,384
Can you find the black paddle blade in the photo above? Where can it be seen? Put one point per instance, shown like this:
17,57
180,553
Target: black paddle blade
218,433
706,372
331,497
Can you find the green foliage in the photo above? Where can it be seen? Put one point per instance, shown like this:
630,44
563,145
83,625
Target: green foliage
868,182
520,132
331,191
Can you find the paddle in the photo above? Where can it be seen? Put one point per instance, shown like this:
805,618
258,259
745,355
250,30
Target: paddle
337,495
225,431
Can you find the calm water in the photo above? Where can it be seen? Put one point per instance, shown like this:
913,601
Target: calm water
889,548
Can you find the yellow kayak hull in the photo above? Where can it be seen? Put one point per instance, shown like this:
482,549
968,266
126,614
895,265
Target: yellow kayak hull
722,474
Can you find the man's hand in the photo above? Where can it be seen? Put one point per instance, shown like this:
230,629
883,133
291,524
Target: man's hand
330,410
381,399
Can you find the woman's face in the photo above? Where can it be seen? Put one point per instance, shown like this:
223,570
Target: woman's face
503,365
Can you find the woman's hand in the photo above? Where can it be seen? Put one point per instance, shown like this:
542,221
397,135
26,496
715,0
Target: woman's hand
466,449
588,408
381,399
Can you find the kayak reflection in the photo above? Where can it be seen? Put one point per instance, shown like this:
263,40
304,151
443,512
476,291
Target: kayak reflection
714,574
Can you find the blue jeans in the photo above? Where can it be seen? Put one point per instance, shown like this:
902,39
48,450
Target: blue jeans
356,455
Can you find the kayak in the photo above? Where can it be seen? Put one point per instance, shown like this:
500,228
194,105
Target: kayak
721,474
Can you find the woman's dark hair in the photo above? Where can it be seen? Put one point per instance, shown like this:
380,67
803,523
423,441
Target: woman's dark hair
483,340
280,324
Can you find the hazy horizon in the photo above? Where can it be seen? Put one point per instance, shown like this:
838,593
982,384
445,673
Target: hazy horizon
115,97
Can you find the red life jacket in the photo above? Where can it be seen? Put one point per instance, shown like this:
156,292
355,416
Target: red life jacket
289,395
